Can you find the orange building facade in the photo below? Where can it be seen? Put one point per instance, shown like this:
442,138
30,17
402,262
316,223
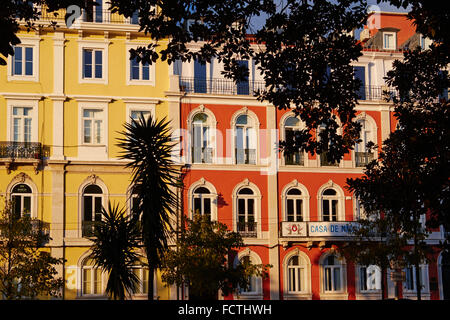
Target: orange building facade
293,211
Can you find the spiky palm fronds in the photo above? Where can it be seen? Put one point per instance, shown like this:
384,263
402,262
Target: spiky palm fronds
116,239
147,144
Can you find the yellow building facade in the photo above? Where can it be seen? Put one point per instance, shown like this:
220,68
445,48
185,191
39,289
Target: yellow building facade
64,97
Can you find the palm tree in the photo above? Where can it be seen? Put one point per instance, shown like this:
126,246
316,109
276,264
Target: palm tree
148,146
116,239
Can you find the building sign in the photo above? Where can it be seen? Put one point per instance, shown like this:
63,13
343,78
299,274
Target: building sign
293,229
317,229
330,229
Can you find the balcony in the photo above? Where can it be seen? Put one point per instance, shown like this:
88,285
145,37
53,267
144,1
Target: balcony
37,228
88,228
376,93
363,158
22,152
295,158
202,155
220,86
93,16
327,163
247,229
245,156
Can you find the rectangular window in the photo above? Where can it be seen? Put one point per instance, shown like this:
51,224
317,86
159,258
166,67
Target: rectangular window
243,86
92,64
389,41
360,74
92,126
139,70
22,124
199,77
22,61
136,114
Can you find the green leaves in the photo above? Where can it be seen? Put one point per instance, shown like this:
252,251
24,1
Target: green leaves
202,260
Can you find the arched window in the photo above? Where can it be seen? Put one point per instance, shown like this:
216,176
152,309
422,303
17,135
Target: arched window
362,154
291,126
202,200
141,272
202,151
21,200
92,208
245,140
332,274
246,213
92,279
294,205
411,282
296,271
330,205
324,161
253,280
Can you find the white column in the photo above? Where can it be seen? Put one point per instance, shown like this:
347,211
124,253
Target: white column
272,199
58,96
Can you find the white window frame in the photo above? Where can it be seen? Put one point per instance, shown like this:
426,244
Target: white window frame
300,126
304,197
369,293
93,45
412,293
256,207
92,269
339,196
151,68
34,114
140,107
392,46
305,265
256,294
333,294
213,135
93,150
26,42
255,125
212,196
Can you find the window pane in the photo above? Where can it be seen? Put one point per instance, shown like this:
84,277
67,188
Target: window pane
87,131
337,279
87,208
334,210
16,129
134,69
98,131
207,206
197,206
17,61
98,64
298,205
98,208
29,61
27,130
87,281
241,206
26,205
87,64
326,210
290,210
145,72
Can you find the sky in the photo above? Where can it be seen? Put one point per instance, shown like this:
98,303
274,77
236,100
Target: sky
373,6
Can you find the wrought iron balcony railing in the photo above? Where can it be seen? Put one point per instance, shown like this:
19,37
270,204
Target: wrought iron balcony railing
95,16
220,86
245,156
247,229
88,228
376,93
23,150
325,162
295,158
202,155
38,227
363,158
